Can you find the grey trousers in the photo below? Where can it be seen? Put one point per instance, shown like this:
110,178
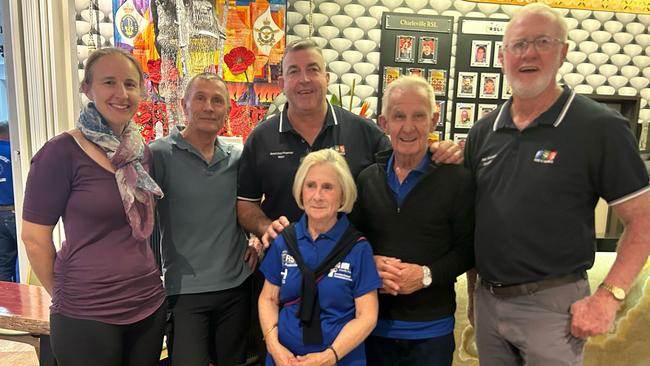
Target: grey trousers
531,330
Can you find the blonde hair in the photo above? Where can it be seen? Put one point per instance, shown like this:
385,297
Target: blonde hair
407,82
541,9
344,177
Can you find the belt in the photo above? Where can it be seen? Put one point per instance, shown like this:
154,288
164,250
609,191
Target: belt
7,208
498,289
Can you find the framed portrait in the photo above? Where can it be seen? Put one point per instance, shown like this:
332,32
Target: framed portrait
440,108
465,115
428,50
404,49
467,82
506,92
438,80
485,109
489,87
416,71
498,46
391,73
481,53
460,138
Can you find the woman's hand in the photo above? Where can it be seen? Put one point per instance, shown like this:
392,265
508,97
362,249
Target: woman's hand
325,358
281,355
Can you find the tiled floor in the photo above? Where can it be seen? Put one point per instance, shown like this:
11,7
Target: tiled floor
17,354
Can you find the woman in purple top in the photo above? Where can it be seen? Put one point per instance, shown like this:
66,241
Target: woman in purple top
107,297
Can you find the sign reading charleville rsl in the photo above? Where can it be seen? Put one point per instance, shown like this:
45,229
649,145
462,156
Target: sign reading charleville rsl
424,23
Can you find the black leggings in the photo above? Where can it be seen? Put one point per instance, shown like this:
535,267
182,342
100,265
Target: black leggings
80,342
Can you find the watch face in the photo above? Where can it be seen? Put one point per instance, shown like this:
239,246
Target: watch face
618,293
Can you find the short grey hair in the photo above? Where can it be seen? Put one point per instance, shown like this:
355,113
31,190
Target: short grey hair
545,10
208,76
299,45
407,82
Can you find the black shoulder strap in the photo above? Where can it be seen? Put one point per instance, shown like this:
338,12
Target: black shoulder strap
309,309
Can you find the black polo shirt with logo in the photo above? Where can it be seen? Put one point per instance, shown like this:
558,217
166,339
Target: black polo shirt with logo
537,188
273,151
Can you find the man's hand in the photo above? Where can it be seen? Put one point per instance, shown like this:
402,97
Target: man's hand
398,278
410,279
389,273
594,314
251,257
446,152
273,230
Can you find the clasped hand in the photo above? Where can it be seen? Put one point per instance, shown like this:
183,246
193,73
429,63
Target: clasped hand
398,278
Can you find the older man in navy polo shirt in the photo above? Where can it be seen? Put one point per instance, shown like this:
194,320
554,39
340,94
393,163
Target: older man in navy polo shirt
541,162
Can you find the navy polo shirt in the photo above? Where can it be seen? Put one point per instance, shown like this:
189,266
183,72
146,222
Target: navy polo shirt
353,277
537,188
273,151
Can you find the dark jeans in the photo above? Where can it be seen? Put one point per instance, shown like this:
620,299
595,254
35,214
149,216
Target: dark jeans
438,351
8,246
79,342
210,326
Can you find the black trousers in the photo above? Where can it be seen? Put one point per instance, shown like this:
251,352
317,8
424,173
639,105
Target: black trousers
210,326
80,342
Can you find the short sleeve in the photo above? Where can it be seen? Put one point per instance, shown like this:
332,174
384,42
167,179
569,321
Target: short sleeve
272,264
622,172
248,183
49,182
158,167
366,279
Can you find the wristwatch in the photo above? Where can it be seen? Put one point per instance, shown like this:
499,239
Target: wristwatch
617,292
426,278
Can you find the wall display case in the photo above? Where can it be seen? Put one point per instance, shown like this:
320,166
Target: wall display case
629,107
422,47
480,85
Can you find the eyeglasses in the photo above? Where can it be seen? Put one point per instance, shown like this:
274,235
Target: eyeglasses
542,44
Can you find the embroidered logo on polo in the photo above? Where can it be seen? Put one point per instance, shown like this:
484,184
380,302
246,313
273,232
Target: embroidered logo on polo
545,156
341,271
485,161
280,154
288,260
339,149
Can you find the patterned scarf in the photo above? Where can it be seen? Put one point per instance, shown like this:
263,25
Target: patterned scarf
125,152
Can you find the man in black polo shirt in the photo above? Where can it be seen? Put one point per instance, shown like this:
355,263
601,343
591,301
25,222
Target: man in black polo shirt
541,162
308,122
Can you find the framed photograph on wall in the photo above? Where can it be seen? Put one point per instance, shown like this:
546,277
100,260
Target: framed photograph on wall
485,109
467,82
489,87
405,49
440,108
428,50
481,53
438,80
465,115
391,73
498,48
416,71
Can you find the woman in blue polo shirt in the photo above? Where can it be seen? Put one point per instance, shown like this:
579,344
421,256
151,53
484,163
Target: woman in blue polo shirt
311,314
